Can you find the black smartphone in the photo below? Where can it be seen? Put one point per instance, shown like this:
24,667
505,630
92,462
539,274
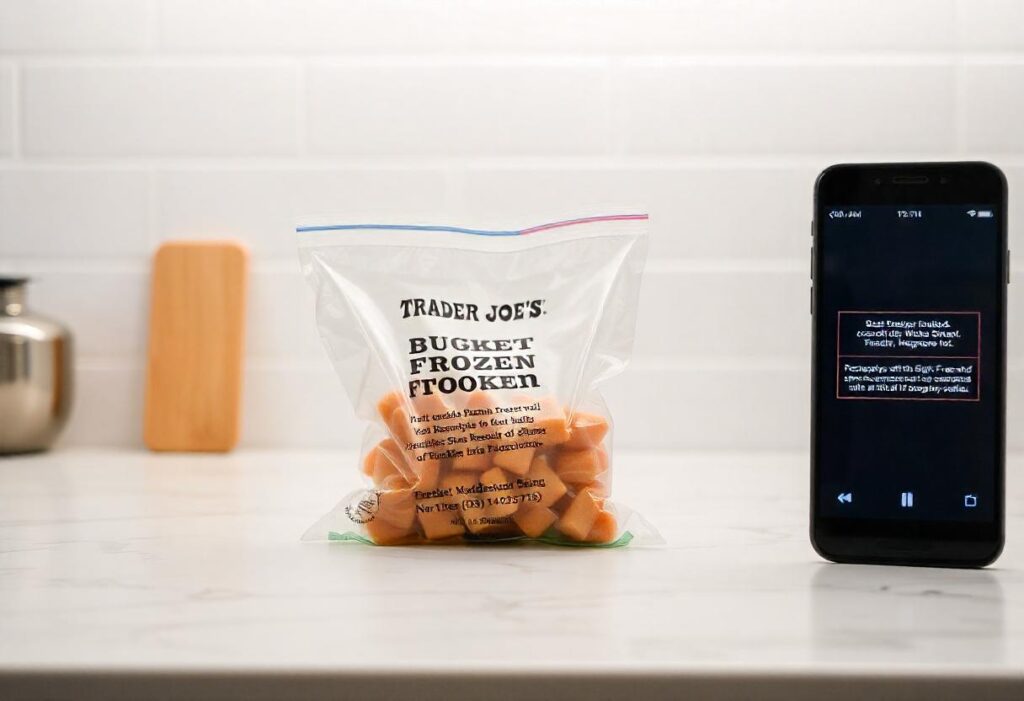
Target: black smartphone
909,268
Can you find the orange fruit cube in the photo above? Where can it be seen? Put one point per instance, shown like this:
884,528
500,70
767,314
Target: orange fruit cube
496,478
581,467
534,520
579,518
586,431
397,507
384,460
384,533
548,484
604,529
515,460
387,404
439,523
551,418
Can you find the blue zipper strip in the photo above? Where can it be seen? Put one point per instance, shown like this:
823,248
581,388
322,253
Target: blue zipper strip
406,227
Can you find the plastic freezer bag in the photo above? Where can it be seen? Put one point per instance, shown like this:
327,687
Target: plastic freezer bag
475,357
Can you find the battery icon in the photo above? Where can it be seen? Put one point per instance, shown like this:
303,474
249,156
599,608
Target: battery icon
985,214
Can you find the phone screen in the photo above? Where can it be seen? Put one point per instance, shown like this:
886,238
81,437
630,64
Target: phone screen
909,354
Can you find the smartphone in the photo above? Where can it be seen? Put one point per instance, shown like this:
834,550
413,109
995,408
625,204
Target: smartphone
909,269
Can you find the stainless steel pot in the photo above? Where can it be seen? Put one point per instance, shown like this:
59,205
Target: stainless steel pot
35,373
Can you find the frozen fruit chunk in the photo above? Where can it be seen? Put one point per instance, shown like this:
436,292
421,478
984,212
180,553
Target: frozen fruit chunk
581,466
543,480
384,460
400,426
501,501
514,459
543,419
579,518
384,533
429,407
534,520
476,401
397,507
476,517
604,529
387,404
479,400
551,420
586,431
439,523
394,482
427,474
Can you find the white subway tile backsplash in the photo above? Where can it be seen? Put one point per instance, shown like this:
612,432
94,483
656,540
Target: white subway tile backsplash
567,26
749,26
993,105
711,408
297,407
7,109
322,26
262,207
281,317
990,25
107,404
753,315
107,311
668,108
457,109
75,25
738,26
73,213
119,110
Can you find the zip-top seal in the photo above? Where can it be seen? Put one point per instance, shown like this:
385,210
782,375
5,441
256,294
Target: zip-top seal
474,232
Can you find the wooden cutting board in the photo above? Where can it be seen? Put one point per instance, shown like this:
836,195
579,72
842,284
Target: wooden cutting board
196,334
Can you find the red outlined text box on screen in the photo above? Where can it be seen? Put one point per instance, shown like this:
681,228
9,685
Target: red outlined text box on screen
976,358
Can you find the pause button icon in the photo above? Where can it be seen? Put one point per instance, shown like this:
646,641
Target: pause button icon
907,500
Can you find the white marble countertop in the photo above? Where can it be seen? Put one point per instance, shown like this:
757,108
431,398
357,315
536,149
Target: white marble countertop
132,575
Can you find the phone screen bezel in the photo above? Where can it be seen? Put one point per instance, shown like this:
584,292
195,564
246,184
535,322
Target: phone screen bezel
900,541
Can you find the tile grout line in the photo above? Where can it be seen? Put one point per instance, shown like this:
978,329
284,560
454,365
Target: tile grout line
17,117
157,55
312,162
